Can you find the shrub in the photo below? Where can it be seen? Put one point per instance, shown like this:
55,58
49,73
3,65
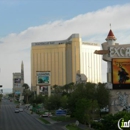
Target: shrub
97,125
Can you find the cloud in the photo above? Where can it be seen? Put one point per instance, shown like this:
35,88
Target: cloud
1,42
92,27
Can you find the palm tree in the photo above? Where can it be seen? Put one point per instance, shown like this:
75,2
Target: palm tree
26,86
0,97
26,92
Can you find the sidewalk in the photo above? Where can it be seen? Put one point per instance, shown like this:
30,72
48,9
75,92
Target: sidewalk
84,127
36,116
50,120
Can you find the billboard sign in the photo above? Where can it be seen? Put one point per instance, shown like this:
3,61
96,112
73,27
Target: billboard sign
119,51
43,89
61,112
17,93
17,80
114,51
43,78
121,73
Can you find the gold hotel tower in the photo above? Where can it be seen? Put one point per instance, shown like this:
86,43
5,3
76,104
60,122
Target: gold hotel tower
63,59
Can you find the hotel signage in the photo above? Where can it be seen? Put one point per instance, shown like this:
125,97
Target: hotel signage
43,78
114,51
49,43
120,51
120,73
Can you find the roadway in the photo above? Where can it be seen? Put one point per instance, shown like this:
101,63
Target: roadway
9,120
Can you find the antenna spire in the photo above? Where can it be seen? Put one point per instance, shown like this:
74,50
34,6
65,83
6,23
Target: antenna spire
110,25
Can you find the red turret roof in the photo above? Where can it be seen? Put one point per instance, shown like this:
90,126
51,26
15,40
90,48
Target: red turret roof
110,36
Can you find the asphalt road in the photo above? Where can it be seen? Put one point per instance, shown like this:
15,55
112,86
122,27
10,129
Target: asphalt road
21,121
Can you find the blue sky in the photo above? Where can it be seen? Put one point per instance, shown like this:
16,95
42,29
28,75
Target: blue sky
25,21
18,15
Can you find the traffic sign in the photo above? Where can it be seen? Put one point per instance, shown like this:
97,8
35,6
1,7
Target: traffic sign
60,112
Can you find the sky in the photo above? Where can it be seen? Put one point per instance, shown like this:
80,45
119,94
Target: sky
25,21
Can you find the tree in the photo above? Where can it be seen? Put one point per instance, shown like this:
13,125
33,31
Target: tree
69,87
85,109
39,99
1,97
57,89
52,102
32,97
110,121
11,95
26,92
66,88
25,85
102,95
82,91
64,101
72,87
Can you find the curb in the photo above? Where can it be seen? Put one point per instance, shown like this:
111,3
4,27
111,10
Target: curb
42,122
37,119
64,127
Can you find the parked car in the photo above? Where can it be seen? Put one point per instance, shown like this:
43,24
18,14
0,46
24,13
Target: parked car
20,109
46,114
105,109
16,110
98,120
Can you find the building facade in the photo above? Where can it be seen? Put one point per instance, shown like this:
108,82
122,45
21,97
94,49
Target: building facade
117,57
90,64
18,81
64,59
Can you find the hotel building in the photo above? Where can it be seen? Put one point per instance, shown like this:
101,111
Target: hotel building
63,59
18,81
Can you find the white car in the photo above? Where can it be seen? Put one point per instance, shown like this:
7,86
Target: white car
20,109
47,114
104,110
16,110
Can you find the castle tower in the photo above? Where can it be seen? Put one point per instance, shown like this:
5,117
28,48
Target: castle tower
111,38
110,41
114,54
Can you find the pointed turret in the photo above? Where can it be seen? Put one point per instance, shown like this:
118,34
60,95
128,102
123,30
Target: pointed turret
111,38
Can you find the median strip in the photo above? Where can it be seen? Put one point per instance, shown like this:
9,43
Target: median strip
43,120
